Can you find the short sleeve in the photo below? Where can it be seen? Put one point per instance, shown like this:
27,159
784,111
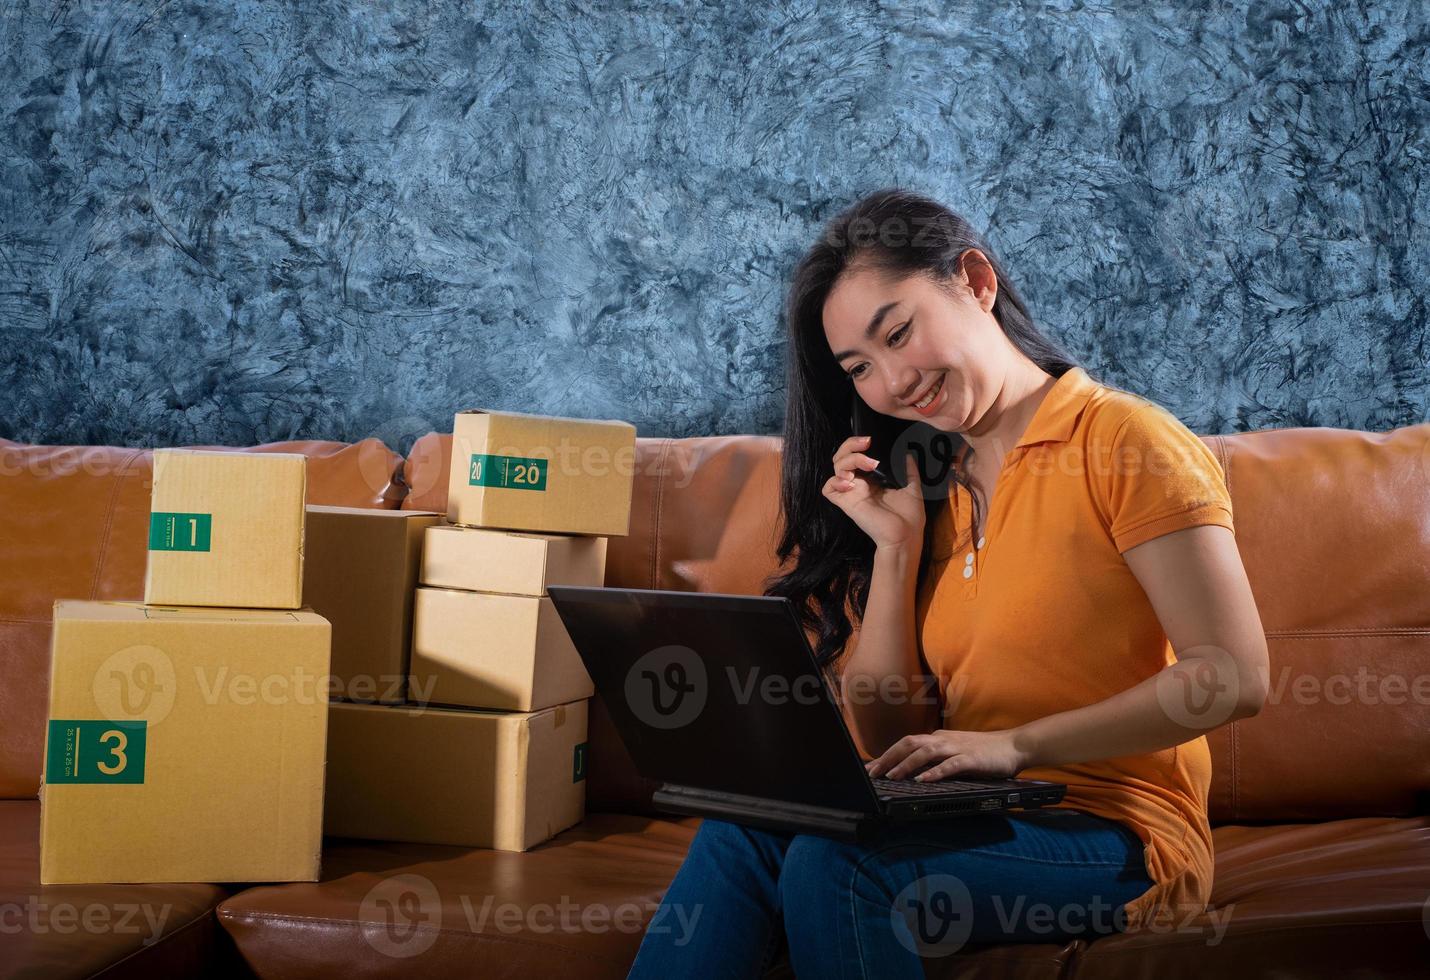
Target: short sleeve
1160,478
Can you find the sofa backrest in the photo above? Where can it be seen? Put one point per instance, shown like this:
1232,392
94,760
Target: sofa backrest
74,524
1333,526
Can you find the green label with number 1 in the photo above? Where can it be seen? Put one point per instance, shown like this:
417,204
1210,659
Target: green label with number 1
96,751
180,532
512,472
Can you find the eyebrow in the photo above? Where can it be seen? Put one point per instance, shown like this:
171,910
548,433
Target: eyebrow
871,329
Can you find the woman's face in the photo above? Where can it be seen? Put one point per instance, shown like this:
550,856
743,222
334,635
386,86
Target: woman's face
923,340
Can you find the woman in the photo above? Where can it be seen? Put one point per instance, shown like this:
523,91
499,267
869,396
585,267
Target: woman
1073,590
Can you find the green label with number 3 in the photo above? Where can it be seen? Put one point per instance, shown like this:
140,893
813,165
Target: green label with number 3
180,532
96,751
512,472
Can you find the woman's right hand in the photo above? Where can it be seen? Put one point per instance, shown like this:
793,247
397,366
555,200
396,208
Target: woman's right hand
891,517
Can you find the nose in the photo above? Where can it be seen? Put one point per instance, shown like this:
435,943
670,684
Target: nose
901,383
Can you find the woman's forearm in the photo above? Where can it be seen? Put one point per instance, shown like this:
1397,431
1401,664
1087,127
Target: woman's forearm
886,692
1167,709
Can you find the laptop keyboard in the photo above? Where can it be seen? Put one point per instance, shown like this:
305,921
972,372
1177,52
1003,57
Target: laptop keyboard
908,787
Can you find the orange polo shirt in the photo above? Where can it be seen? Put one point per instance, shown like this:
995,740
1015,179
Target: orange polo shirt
1041,614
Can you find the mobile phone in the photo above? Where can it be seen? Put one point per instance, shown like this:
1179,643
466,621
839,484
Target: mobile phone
884,432
892,439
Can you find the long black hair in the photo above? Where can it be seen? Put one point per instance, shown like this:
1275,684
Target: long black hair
894,232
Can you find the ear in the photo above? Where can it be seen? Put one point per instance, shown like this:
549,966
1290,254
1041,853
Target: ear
982,280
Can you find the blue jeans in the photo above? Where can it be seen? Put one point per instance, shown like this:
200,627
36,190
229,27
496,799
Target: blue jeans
880,909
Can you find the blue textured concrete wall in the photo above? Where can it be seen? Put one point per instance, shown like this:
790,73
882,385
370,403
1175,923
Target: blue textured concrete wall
234,222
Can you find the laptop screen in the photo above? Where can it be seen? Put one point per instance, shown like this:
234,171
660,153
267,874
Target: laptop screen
718,692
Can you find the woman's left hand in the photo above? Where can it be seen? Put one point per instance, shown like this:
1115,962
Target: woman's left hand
950,753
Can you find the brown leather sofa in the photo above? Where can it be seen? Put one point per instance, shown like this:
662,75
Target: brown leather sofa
1319,803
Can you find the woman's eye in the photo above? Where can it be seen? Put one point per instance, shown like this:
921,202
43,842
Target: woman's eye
855,373
898,334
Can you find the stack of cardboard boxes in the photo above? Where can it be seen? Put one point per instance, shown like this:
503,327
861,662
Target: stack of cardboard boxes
186,733
474,732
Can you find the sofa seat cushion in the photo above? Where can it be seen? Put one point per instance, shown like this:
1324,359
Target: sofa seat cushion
1343,898
78,930
577,905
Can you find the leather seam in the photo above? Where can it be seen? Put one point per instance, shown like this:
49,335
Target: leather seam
1235,770
1224,452
656,501
210,914
1352,631
109,523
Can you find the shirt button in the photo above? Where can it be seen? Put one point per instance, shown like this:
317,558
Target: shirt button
981,542
968,558
968,571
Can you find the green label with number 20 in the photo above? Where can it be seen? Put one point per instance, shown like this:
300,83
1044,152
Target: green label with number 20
512,472
96,751
180,532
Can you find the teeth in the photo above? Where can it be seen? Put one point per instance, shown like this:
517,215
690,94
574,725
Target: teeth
931,395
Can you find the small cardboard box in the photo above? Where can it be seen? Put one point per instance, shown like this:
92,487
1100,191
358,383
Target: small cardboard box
442,776
360,569
514,562
524,472
226,529
183,744
492,651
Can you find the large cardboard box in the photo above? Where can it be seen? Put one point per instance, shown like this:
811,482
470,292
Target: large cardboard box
361,568
515,562
486,650
226,529
440,776
525,472
183,744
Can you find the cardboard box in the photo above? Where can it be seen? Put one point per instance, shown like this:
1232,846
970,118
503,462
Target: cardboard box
183,744
441,776
361,568
524,472
226,529
499,652
513,562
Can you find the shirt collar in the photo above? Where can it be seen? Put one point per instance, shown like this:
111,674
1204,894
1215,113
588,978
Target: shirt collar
1060,409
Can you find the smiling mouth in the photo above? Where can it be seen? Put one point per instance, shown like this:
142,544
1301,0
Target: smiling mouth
927,400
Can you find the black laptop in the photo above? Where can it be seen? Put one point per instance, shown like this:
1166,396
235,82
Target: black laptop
719,698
